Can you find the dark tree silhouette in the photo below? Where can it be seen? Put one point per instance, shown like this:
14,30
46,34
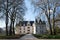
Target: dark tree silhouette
13,10
45,5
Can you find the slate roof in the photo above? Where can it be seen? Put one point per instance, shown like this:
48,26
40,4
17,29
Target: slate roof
42,22
25,22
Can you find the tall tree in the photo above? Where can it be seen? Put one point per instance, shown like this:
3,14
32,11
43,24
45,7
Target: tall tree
46,6
13,9
18,10
4,6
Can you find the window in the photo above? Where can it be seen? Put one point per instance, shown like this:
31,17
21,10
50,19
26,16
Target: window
28,30
24,28
28,24
24,31
42,31
28,27
20,31
20,28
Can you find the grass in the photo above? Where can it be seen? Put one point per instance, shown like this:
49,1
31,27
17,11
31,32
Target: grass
11,37
47,36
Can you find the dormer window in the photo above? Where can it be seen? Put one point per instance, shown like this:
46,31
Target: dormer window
36,20
28,23
40,22
24,25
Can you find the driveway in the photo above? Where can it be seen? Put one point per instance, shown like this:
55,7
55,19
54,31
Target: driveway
28,37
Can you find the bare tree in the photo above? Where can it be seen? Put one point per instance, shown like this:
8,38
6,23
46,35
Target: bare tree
43,5
18,9
12,8
4,6
46,6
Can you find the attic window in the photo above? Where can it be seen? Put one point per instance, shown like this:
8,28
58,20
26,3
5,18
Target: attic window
28,27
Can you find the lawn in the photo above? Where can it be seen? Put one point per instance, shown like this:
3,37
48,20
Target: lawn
11,37
47,36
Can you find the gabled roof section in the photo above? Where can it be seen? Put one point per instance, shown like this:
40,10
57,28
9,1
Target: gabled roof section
25,22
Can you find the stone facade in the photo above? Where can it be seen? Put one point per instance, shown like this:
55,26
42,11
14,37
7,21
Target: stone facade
25,27
31,27
40,26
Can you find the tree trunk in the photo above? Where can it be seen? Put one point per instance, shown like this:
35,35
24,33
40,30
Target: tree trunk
10,32
48,18
54,28
7,19
14,15
7,24
13,29
50,26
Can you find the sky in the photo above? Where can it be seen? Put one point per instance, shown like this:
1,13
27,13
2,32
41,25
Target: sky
29,14
2,23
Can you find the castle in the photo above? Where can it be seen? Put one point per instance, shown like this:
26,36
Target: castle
25,27
31,27
40,26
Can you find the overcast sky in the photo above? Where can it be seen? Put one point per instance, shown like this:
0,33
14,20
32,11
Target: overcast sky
29,16
29,13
